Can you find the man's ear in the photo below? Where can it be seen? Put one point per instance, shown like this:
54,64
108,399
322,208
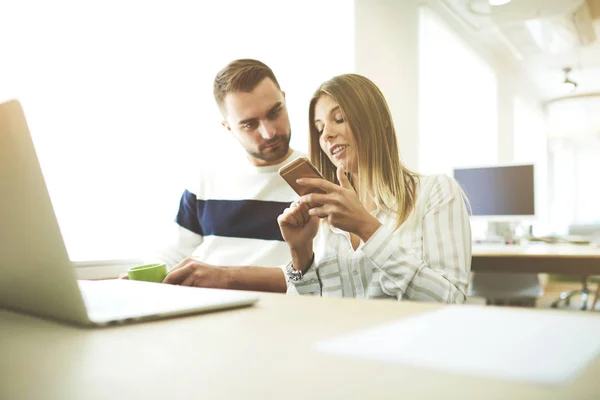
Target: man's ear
226,125
283,93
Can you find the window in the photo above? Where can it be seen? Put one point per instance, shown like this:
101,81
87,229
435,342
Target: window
573,169
457,104
118,97
573,161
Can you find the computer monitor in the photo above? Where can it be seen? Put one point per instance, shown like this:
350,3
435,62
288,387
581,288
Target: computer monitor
501,192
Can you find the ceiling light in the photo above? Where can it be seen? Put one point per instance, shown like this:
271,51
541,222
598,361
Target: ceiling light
498,2
568,84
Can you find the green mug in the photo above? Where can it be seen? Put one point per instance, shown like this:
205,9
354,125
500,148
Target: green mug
148,273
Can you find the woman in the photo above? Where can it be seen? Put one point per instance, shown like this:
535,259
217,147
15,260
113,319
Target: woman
385,231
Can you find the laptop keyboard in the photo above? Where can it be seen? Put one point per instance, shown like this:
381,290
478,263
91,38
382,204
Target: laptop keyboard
111,295
114,300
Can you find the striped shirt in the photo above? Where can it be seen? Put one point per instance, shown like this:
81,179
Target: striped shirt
228,216
427,259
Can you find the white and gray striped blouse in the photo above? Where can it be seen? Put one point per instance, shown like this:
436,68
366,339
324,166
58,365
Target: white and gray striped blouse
427,259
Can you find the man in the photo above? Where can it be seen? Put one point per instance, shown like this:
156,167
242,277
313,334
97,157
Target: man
227,220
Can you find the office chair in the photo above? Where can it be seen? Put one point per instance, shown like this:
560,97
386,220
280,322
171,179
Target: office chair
591,231
566,296
593,307
506,289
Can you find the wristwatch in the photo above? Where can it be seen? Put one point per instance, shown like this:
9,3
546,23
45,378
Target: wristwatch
295,275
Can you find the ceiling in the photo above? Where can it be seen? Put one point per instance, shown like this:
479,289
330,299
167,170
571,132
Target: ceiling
508,30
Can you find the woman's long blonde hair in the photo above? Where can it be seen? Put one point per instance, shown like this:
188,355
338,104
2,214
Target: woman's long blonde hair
381,173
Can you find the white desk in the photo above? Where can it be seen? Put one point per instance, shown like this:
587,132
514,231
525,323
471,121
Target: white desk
253,353
536,258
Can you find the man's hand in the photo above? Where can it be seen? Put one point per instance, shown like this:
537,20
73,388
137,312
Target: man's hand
190,272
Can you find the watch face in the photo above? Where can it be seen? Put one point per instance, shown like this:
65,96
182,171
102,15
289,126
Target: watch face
294,274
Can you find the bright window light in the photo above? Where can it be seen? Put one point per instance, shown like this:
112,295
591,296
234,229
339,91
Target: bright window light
498,2
118,95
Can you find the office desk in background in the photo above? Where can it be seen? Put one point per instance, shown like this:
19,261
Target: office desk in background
260,352
536,258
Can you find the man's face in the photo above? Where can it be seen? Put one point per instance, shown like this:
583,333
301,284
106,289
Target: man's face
260,122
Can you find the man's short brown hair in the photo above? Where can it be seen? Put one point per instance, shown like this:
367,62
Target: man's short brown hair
240,76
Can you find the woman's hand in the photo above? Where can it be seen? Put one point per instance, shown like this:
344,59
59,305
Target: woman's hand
340,205
298,228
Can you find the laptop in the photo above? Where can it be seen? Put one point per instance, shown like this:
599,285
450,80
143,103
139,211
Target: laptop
37,276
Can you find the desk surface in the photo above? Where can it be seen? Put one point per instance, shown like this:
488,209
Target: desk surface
567,259
259,352
537,250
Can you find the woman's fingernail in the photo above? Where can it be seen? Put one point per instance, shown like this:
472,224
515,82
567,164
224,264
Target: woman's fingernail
299,180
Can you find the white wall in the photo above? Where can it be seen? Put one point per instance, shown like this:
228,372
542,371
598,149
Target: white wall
387,52
457,105
512,82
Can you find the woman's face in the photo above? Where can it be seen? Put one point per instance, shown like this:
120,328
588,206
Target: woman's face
336,137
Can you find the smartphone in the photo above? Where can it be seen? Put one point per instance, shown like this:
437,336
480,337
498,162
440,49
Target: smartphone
300,168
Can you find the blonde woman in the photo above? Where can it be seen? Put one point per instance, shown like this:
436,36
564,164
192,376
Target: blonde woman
384,231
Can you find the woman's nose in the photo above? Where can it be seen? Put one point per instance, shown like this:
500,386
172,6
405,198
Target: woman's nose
328,134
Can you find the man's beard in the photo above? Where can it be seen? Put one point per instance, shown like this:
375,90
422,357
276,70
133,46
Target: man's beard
284,145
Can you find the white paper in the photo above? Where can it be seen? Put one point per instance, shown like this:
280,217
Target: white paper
502,343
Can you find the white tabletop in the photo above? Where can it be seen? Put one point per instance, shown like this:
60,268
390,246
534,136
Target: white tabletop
537,249
265,351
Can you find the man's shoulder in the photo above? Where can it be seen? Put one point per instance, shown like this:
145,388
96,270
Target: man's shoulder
242,181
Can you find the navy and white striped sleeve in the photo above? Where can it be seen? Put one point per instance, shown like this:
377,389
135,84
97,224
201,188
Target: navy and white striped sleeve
186,235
